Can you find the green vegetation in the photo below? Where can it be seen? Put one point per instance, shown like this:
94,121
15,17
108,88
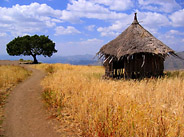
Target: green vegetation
25,61
175,74
31,46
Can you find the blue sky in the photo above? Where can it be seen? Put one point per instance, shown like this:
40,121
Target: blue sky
81,27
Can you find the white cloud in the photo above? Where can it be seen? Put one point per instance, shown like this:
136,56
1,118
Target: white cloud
69,16
117,27
176,32
108,33
113,30
159,5
90,27
2,34
150,21
28,18
88,9
177,18
89,46
5,38
85,6
118,5
60,30
173,41
153,19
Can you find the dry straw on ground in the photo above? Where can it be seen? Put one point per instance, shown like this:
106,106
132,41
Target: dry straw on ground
97,107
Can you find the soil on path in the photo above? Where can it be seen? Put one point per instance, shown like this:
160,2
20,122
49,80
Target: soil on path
25,114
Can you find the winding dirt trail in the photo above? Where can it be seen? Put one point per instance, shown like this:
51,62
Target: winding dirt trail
25,115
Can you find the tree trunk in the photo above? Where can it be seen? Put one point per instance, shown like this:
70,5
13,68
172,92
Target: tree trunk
35,60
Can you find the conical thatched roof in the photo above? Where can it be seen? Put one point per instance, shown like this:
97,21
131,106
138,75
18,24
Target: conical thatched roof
135,39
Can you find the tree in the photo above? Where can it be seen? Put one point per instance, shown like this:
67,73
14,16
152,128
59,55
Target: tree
31,46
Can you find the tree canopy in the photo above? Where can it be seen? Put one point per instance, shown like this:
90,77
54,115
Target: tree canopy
31,46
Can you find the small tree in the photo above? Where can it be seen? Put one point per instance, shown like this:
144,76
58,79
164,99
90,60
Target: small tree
31,46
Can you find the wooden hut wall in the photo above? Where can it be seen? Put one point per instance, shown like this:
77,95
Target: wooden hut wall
144,65
108,66
136,66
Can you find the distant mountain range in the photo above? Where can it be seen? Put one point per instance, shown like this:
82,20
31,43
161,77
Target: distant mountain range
171,63
74,60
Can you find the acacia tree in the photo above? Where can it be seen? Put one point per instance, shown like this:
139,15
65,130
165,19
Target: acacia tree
31,46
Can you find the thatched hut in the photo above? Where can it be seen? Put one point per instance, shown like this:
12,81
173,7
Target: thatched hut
135,53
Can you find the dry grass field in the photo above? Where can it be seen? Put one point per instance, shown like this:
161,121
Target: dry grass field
9,77
92,106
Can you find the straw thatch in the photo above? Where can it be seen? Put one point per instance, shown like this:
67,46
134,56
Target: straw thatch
135,39
138,43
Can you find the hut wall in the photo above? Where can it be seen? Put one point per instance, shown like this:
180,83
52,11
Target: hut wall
108,67
138,65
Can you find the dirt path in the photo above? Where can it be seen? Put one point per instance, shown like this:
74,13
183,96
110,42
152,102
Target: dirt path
25,115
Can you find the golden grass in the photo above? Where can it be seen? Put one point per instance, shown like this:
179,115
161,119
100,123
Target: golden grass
9,77
97,107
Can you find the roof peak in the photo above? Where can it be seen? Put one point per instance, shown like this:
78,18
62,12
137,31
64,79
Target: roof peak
135,19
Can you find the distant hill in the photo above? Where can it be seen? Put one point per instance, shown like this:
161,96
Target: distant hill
74,60
173,63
